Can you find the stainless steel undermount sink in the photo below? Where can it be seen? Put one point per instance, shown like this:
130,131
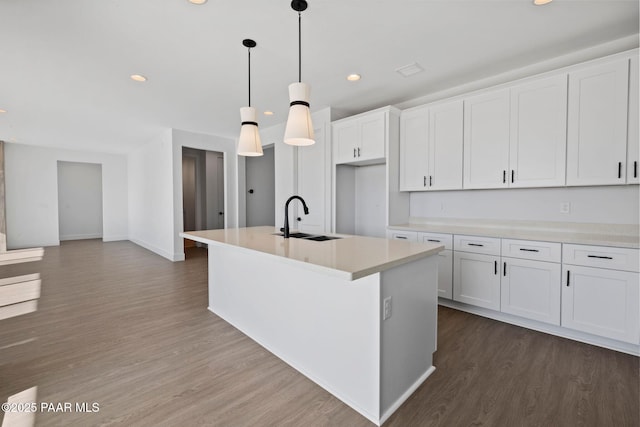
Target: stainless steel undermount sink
307,236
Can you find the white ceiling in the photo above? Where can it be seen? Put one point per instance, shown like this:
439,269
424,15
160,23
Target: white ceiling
65,64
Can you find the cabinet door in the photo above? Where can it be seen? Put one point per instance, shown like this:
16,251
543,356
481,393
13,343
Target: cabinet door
601,302
476,279
345,141
445,146
538,143
414,134
486,140
633,149
372,137
445,274
531,289
597,124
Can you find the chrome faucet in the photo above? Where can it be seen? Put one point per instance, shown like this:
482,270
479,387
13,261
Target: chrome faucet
286,213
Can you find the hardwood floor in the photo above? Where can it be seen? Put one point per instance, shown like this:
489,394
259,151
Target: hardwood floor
125,328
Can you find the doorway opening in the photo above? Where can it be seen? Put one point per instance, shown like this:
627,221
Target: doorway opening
79,201
261,189
202,191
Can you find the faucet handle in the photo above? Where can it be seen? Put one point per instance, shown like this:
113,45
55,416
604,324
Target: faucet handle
282,229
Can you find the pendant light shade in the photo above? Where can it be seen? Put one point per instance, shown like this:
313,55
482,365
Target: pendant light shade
249,142
299,130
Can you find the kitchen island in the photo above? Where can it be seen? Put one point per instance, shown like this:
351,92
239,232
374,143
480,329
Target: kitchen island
357,315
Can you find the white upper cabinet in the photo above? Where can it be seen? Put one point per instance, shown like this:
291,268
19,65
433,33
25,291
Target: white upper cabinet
360,139
445,146
537,150
634,137
431,147
597,124
414,146
486,140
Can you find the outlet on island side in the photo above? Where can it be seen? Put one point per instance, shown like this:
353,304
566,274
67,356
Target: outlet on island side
386,308
565,207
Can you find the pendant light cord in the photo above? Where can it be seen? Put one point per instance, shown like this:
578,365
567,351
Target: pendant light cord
249,50
299,47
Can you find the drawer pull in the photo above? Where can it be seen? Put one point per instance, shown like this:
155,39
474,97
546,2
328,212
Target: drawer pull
599,257
424,181
512,176
529,250
433,240
475,244
401,237
430,180
504,177
635,169
568,276
495,267
505,269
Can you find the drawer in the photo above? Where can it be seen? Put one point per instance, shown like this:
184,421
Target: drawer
601,256
475,244
444,239
411,236
531,249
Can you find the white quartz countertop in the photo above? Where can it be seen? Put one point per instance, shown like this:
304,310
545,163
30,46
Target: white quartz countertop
581,234
351,257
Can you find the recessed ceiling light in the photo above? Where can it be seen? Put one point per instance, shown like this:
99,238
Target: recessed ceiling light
198,1
353,77
268,113
409,70
138,78
541,2
2,111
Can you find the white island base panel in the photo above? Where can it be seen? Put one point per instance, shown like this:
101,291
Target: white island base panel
331,329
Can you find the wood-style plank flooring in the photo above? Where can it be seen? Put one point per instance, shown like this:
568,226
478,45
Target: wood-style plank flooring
123,327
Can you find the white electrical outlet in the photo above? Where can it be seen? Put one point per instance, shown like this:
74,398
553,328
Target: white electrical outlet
565,207
386,308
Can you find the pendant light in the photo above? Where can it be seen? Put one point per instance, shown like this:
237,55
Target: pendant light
299,130
249,141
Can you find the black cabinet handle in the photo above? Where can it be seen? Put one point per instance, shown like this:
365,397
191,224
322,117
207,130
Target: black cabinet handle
430,180
599,257
505,269
433,240
401,237
495,267
568,277
504,177
475,244
358,152
635,168
424,181
619,169
529,250
512,175
354,152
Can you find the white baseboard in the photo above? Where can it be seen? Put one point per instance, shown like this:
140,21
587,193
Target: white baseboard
80,236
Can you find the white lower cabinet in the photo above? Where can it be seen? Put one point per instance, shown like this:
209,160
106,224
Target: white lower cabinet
531,289
600,300
476,279
445,262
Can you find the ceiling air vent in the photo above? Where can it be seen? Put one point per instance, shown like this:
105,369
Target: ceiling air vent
409,70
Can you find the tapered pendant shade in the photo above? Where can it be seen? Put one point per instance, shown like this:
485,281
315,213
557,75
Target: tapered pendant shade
299,130
249,142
